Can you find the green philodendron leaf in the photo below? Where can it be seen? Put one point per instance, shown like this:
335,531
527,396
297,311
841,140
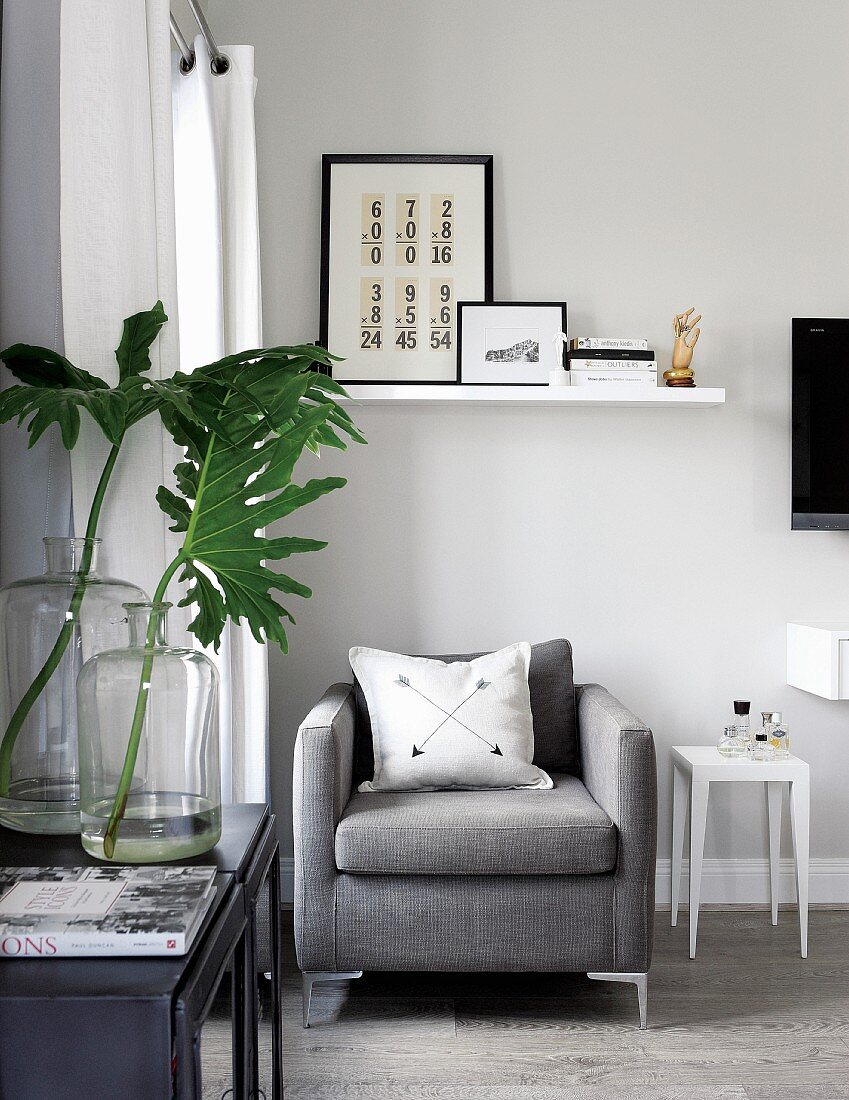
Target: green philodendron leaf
45,369
108,408
194,439
211,609
299,357
149,395
44,407
173,394
236,491
139,332
320,390
54,390
242,423
271,385
176,396
176,507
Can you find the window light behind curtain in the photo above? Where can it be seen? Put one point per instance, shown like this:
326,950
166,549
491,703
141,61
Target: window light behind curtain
159,200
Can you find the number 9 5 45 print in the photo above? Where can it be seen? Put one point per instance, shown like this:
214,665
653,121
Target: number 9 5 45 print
403,239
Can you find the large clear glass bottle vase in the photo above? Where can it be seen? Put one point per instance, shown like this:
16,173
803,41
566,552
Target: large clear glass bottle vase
50,625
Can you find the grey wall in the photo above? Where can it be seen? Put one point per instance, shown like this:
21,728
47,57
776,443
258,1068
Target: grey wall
649,157
34,485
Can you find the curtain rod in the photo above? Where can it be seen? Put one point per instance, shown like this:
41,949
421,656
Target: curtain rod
188,62
219,62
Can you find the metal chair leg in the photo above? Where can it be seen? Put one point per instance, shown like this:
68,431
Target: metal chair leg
309,978
640,981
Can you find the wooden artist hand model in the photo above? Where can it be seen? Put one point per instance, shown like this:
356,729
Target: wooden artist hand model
683,326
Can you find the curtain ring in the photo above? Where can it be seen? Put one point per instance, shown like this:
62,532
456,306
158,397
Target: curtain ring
219,63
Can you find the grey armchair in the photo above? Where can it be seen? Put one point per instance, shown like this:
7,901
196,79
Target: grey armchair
559,880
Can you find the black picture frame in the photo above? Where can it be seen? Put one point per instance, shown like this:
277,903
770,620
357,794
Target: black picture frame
462,307
328,160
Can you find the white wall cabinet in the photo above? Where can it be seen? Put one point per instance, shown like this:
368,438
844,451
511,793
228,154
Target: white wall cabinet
818,658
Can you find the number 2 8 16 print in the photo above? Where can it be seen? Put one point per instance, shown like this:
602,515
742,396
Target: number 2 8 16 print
403,239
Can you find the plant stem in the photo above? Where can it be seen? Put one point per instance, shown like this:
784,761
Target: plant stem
65,634
122,792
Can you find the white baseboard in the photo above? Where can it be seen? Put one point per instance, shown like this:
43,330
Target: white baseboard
724,881
746,882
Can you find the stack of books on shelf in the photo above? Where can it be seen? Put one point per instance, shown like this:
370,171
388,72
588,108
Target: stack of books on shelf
48,912
602,361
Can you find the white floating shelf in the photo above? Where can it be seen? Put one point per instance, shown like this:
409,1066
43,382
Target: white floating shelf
626,396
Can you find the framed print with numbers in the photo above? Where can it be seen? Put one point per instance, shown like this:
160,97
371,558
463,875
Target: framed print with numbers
403,239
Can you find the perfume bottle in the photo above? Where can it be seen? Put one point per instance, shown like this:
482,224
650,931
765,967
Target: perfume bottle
731,743
763,749
779,734
741,721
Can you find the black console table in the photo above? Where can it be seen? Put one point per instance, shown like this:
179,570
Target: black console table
73,1029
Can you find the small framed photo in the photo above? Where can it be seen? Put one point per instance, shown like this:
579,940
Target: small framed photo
509,343
403,238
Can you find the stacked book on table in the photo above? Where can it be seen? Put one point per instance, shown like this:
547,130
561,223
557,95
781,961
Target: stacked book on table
48,912
602,361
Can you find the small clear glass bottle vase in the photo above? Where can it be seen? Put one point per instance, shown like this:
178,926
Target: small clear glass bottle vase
50,625
150,783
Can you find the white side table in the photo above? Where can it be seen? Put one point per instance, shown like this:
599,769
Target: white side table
695,767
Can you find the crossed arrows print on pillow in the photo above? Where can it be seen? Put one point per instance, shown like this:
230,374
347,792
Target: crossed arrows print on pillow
449,716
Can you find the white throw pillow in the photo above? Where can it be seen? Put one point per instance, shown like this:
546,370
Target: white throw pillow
464,725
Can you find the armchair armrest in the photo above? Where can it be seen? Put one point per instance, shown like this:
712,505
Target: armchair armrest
323,765
619,771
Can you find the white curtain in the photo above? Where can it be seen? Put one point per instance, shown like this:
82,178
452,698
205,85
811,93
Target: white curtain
141,219
117,248
218,286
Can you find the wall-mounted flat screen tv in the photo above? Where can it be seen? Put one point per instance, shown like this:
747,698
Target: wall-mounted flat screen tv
820,424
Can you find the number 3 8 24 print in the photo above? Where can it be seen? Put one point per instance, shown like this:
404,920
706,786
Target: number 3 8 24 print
403,239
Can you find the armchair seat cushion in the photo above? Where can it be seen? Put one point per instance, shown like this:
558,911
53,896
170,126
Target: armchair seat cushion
504,832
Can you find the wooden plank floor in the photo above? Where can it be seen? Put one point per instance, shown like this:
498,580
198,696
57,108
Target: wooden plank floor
748,1019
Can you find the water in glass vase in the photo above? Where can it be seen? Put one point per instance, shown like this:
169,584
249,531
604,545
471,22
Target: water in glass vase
42,805
157,826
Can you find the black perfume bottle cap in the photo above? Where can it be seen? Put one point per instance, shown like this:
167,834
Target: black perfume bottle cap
741,706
